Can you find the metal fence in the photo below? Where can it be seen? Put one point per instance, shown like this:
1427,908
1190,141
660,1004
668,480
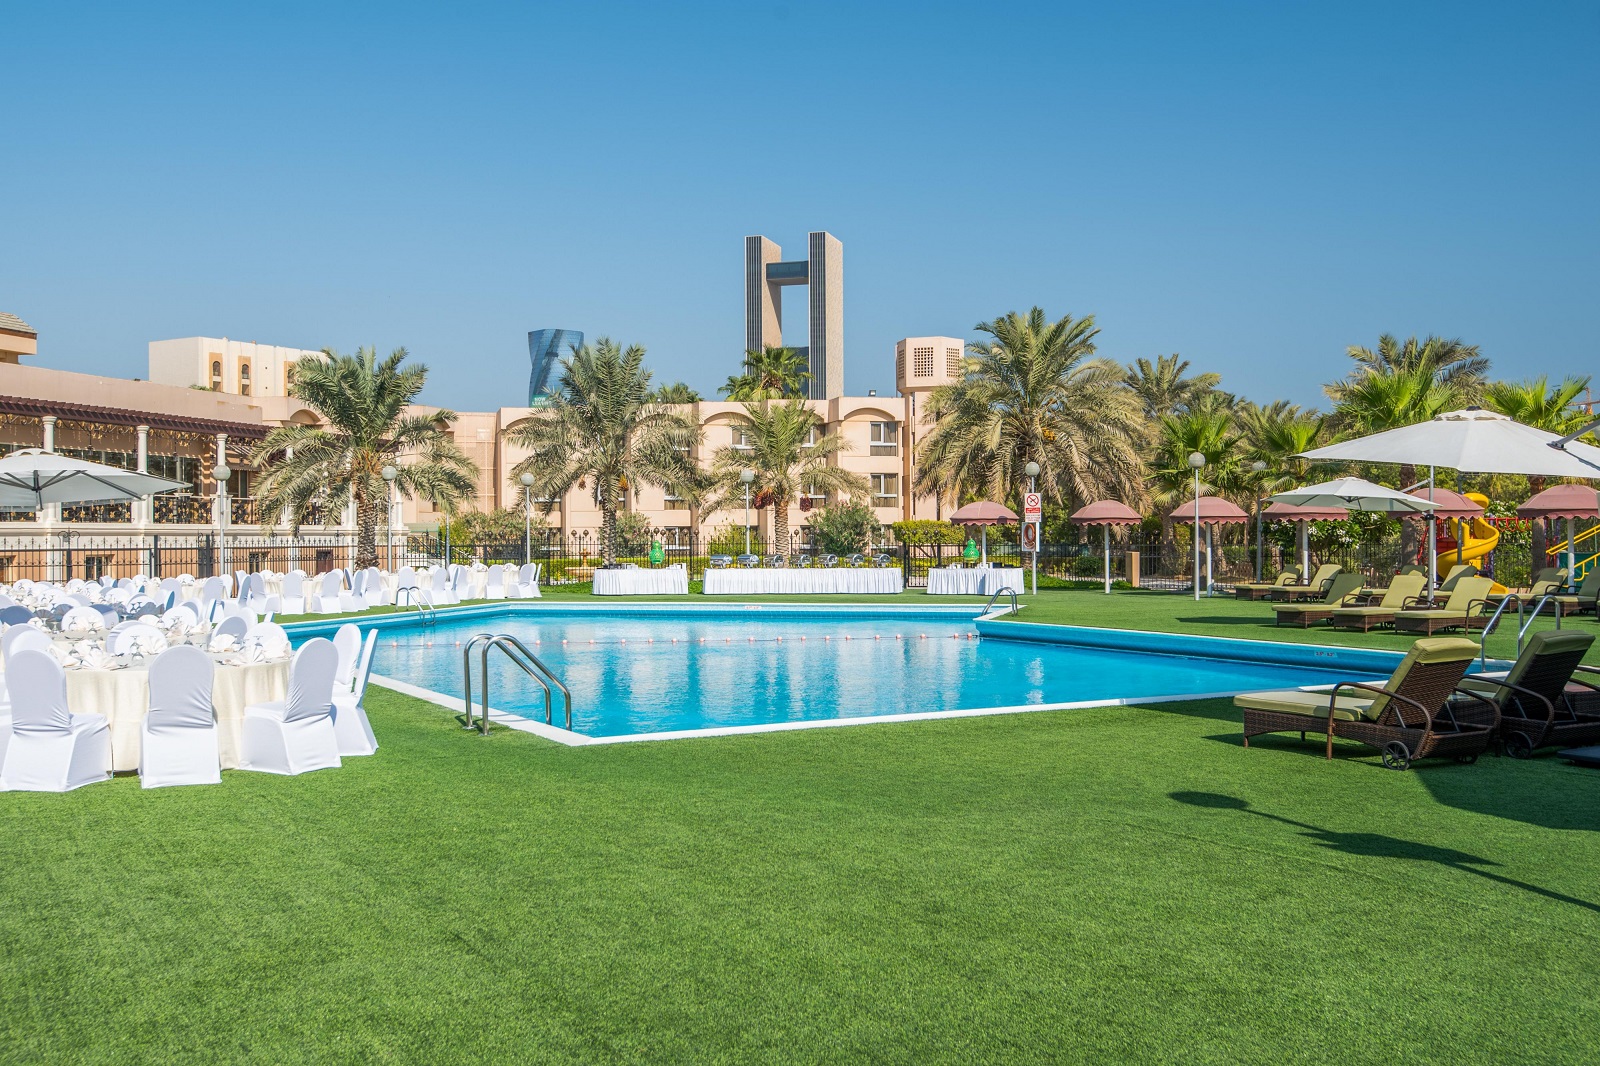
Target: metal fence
1151,561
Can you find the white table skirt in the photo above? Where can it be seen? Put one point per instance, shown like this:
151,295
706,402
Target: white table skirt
668,581
746,582
965,581
123,696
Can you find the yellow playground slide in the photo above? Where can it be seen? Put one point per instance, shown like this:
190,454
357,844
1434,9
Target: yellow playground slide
1478,538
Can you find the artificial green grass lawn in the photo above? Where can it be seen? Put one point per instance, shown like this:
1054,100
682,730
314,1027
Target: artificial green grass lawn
1113,884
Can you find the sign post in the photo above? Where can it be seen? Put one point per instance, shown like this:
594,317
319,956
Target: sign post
1032,515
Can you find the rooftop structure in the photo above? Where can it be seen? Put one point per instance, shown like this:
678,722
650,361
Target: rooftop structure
822,272
242,368
546,348
17,338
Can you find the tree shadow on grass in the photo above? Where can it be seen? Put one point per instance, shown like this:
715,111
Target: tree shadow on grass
1379,845
1542,791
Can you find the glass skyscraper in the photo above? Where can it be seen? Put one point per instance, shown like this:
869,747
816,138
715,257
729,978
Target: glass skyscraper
546,347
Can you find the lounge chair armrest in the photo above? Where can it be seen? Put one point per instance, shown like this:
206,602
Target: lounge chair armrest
1484,606
1494,708
1415,603
1427,716
1550,708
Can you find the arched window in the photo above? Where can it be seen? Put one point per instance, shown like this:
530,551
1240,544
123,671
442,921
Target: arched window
244,379
216,374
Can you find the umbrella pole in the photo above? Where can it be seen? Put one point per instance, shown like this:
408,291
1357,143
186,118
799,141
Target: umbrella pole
984,533
1106,531
1572,555
1433,540
1305,550
1208,560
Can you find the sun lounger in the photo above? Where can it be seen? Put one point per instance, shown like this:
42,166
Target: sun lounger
1468,606
1379,610
1407,717
1316,588
1343,588
1542,705
1260,590
1587,595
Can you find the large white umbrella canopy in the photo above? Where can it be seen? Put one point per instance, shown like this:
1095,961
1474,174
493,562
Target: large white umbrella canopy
1353,494
1473,440
31,478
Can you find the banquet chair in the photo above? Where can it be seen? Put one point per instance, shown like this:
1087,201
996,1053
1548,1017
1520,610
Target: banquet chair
122,641
347,642
51,749
354,598
293,596
494,585
444,590
255,597
270,637
178,737
15,615
526,587
82,620
295,735
214,589
326,600
23,638
108,614
377,593
350,723
234,627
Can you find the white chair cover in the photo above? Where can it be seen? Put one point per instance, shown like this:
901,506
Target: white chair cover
23,638
178,738
294,593
526,587
139,634
83,620
347,642
271,637
350,723
234,627
51,749
494,587
295,735
326,601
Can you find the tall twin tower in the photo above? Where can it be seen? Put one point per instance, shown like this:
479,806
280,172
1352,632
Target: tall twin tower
822,273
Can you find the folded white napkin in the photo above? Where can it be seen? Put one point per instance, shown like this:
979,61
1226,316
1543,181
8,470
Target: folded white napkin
251,653
63,656
147,646
39,623
94,657
222,642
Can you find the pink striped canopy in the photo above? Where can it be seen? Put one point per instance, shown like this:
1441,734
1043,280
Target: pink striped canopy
1214,511
1562,501
983,513
1106,513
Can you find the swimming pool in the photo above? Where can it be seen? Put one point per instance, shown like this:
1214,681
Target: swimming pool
638,672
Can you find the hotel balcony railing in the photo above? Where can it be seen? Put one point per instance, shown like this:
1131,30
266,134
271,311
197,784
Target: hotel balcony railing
170,509
98,512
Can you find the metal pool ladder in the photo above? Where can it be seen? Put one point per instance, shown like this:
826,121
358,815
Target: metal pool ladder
418,599
996,594
518,653
1523,624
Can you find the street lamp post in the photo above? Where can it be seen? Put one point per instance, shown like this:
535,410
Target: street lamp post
527,518
389,474
747,475
1258,468
1032,470
1196,462
221,474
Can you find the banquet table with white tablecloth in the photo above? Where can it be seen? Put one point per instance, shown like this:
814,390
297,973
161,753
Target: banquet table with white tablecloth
973,581
804,580
123,696
667,581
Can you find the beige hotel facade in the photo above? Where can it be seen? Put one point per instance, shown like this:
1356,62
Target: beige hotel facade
206,400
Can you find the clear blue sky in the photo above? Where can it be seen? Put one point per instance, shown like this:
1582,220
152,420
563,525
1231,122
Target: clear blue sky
1255,186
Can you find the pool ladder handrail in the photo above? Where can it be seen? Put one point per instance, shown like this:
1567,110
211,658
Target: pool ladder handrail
1007,590
518,653
419,599
1524,621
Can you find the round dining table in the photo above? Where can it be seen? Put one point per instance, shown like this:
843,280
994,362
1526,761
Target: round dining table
123,697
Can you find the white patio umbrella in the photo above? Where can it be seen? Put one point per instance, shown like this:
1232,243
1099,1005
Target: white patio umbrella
30,478
1353,494
1472,440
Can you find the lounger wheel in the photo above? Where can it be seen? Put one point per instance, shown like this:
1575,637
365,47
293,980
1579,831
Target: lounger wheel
1396,756
1519,746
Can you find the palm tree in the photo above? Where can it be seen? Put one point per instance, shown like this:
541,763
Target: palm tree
1209,430
783,462
1450,362
364,402
677,392
1163,389
1274,435
1535,403
603,428
1034,393
773,373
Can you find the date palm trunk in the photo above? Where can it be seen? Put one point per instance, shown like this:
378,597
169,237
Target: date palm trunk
369,518
608,533
780,526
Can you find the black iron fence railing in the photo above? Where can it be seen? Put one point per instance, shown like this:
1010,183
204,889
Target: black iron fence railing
572,558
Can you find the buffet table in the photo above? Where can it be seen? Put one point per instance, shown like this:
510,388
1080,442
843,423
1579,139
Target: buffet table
973,581
802,580
123,696
668,581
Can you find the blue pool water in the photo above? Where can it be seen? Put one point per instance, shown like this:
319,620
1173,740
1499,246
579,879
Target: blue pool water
633,673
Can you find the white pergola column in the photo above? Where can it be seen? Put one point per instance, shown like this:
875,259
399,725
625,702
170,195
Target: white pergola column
142,508
50,514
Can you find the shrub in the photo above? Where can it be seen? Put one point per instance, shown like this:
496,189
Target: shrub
927,531
633,533
845,528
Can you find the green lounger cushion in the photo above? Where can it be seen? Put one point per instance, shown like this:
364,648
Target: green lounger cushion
1344,586
1545,642
1310,704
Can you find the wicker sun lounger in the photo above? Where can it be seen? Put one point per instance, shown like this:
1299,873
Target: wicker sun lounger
1587,595
1315,589
1468,606
1343,588
1260,590
1380,609
1542,705
1407,717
